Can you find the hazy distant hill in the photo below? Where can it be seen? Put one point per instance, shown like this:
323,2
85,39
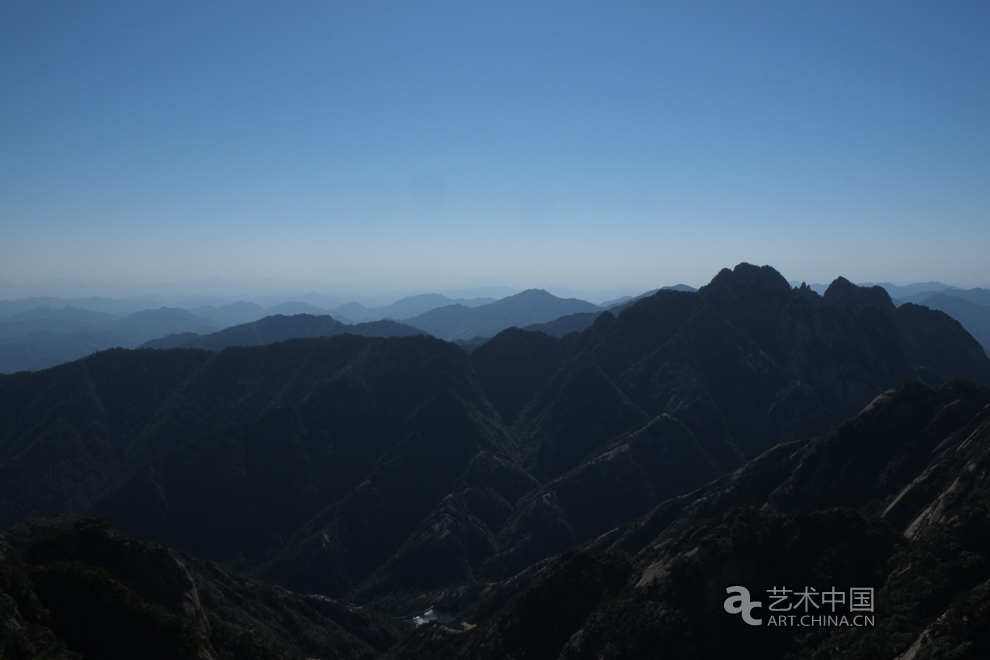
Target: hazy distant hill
96,304
908,290
232,314
37,333
523,309
57,321
973,316
405,308
42,338
159,322
608,304
292,308
279,328
565,324
977,295
970,307
577,322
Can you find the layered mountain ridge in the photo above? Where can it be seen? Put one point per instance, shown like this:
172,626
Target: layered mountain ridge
398,471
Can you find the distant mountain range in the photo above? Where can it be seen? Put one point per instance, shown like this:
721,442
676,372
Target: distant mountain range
41,338
280,328
531,306
970,307
582,496
609,304
404,309
36,333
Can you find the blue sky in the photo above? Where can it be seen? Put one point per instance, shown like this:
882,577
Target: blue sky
414,145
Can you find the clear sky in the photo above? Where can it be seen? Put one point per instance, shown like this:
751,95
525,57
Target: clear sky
368,145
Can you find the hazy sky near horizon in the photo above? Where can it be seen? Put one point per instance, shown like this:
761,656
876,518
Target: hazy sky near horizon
336,146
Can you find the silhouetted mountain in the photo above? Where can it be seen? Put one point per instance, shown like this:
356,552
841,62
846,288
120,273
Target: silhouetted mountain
523,309
399,471
279,328
608,304
681,387
970,307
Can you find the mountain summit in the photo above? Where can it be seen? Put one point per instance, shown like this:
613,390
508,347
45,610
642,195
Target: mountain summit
406,471
527,308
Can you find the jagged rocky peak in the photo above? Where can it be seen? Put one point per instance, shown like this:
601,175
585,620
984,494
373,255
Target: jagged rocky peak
750,295
846,294
747,280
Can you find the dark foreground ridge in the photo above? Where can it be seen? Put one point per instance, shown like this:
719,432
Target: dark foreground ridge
76,588
404,472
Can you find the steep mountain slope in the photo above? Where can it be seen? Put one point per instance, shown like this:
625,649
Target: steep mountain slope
279,328
682,387
326,454
65,432
389,469
320,455
895,499
523,309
